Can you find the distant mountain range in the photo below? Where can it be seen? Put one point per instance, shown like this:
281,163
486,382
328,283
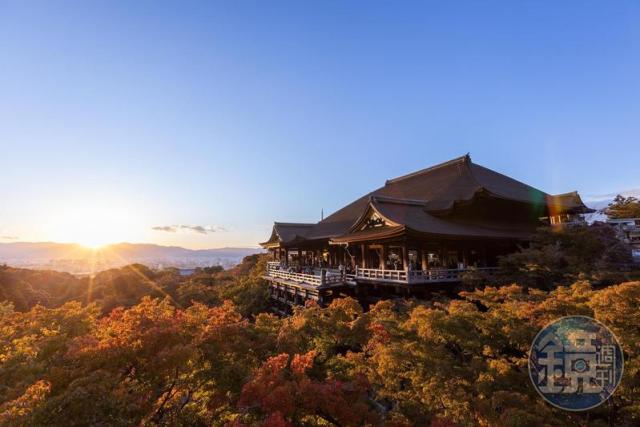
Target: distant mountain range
75,258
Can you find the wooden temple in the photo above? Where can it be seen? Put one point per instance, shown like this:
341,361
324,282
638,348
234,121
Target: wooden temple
416,232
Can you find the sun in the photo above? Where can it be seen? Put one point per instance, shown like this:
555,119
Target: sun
94,244
93,235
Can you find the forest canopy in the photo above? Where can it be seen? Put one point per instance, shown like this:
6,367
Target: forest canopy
139,347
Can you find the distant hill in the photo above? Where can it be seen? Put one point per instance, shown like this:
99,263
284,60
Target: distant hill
75,258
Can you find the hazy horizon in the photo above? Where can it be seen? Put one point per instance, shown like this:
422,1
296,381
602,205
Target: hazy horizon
127,243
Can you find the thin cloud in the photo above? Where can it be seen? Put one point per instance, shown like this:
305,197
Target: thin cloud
167,228
195,228
9,237
215,228
200,229
606,197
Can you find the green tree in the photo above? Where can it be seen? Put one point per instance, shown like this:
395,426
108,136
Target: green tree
564,255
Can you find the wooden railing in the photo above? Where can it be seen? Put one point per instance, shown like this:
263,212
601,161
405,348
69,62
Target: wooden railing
417,276
323,279
385,275
326,278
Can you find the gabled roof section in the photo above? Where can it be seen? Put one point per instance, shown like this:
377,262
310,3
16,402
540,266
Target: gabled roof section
460,180
412,218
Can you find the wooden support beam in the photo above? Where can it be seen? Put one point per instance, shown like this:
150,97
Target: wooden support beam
364,258
405,257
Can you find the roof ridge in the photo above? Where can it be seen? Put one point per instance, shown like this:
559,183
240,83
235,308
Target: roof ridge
397,200
304,224
465,159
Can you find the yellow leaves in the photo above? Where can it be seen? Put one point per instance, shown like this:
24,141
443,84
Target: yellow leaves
463,308
298,322
348,307
618,308
50,332
25,346
14,411
499,366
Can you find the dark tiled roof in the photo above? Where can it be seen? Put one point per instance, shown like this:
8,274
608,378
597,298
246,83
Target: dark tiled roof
413,218
289,232
436,190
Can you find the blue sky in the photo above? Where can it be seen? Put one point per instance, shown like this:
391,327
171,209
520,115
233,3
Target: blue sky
116,117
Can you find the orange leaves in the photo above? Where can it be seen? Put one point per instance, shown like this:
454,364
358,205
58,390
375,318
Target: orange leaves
302,362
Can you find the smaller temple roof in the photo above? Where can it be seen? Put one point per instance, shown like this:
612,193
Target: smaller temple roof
287,232
566,203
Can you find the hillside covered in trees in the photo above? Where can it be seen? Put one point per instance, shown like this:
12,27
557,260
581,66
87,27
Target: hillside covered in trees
133,346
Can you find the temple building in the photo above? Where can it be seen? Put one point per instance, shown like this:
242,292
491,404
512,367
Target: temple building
417,232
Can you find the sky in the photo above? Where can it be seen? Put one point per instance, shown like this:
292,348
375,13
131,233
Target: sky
200,123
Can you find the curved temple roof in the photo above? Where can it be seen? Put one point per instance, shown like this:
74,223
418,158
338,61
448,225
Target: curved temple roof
418,201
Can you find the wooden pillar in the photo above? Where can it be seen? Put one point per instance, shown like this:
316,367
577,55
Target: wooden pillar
425,259
286,256
383,259
405,257
364,258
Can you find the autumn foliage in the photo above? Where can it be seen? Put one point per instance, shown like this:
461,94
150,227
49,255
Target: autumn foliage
458,361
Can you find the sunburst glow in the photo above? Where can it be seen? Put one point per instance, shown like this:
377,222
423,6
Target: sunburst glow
95,225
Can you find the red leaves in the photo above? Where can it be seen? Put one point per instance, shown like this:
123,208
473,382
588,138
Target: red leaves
379,333
276,419
282,387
